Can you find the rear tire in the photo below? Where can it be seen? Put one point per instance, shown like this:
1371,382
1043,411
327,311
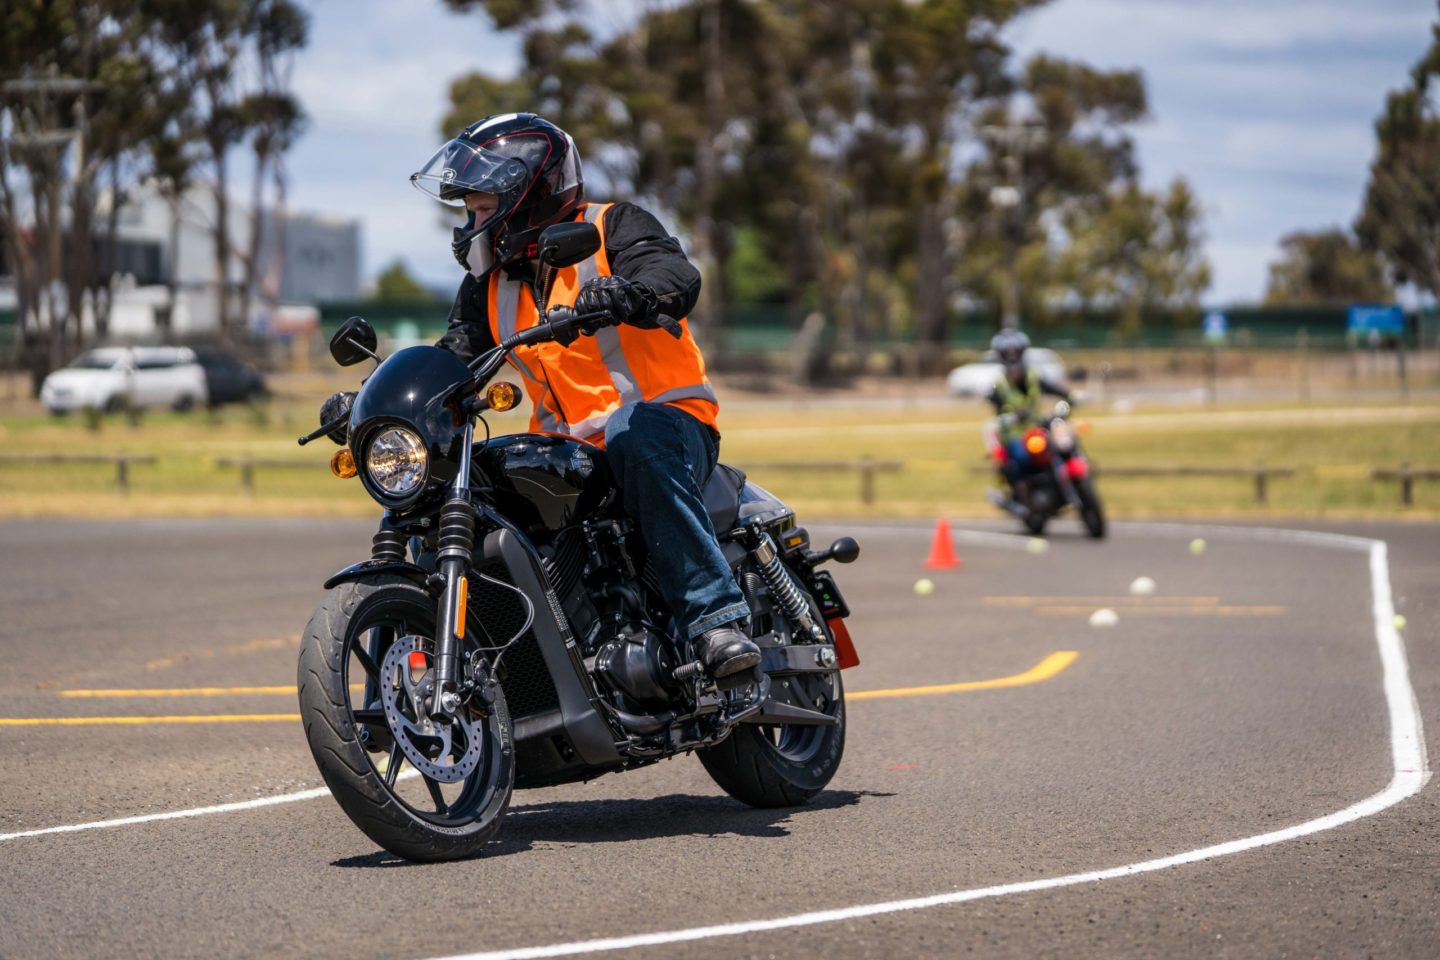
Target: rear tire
393,817
1035,523
783,766
751,768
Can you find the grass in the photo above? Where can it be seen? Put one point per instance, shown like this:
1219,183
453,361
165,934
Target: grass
1333,450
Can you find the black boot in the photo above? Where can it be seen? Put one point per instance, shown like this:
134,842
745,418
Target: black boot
726,650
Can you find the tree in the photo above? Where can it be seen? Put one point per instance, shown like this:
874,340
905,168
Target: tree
396,284
1135,252
274,120
1401,217
70,71
1325,267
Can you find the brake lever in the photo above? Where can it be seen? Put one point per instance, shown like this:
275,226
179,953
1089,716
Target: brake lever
325,428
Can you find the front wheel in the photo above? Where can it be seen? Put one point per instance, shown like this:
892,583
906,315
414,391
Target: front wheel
1091,511
356,678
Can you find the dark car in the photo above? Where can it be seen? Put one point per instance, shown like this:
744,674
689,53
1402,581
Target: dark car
228,380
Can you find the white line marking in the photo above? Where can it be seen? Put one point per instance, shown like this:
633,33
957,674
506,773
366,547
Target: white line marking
1407,750
174,814
192,812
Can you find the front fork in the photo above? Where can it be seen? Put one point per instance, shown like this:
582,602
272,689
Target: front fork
456,552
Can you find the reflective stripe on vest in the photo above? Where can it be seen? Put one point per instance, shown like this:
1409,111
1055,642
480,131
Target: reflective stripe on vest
509,298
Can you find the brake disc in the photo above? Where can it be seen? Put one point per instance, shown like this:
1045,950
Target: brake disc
429,744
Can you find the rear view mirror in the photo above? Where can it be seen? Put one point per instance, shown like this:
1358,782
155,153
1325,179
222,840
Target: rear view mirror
566,244
353,342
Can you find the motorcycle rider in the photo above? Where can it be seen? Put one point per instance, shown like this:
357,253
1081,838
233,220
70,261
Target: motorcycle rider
627,384
1016,398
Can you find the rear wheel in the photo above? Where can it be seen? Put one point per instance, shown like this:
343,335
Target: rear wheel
780,766
363,727
1091,511
784,765
1035,523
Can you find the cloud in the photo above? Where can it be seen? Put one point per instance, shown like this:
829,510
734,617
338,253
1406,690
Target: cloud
1267,109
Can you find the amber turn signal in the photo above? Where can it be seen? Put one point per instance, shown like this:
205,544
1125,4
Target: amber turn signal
1035,443
343,464
502,396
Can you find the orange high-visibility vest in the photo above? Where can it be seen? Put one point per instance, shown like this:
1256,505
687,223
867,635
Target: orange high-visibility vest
575,389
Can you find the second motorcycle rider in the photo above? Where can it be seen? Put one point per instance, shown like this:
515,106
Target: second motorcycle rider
636,385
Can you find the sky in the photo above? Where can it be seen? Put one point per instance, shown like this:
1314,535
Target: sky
1266,108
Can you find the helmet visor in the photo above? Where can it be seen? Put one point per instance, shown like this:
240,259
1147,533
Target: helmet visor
460,167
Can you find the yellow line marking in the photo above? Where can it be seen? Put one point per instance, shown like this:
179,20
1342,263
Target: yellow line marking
1042,671
1231,611
185,692
1020,601
137,721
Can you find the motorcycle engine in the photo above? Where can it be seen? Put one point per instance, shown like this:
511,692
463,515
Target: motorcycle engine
639,663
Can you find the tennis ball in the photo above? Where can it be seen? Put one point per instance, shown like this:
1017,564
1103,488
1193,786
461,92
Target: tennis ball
924,587
1142,587
1399,621
1104,617
1197,546
1037,545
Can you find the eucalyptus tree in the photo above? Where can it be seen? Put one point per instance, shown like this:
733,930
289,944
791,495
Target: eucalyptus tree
1401,215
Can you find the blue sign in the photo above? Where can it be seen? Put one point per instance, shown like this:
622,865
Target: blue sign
1382,318
1215,327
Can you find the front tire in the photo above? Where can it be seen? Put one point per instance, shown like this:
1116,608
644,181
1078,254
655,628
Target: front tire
412,816
1092,513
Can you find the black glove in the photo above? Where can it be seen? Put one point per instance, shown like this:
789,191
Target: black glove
626,302
338,405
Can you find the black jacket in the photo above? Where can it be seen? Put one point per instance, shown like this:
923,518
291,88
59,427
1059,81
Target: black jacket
638,248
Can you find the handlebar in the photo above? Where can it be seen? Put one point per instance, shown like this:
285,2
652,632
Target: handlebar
553,327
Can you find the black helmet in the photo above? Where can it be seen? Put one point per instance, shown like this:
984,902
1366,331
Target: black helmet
1010,347
530,164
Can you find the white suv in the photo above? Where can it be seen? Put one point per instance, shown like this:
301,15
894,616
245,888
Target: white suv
108,377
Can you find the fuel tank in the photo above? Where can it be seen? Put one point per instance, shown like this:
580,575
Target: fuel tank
544,481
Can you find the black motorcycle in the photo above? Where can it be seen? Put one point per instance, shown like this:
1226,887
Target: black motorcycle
1060,475
508,630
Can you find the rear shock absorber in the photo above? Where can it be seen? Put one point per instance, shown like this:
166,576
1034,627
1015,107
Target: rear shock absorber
783,590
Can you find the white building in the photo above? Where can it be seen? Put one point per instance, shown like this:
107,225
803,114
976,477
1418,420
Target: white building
305,259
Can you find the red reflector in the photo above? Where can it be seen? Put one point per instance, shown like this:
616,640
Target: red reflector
417,661
844,647
1077,468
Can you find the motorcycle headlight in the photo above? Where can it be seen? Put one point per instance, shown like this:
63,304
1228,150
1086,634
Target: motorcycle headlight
396,461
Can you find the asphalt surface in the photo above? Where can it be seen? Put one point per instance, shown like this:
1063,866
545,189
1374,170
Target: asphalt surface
1244,696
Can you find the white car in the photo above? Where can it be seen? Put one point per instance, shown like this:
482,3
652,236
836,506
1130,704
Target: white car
977,379
110,377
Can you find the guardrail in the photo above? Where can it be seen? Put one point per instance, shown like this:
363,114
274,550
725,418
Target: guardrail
248,466
866,466
121,461
1260,474
1407,475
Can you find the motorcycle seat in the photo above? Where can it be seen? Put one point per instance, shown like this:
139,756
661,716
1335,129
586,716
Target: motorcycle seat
722,496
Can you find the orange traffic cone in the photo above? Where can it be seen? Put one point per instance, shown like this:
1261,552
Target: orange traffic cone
942,548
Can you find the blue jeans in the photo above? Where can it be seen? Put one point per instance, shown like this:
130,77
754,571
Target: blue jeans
1017,460
661,457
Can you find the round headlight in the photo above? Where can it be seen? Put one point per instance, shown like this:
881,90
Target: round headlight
396,461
